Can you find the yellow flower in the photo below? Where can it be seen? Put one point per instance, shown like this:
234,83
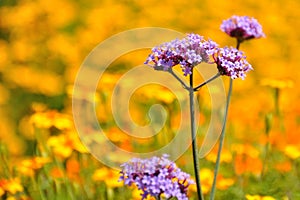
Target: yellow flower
51,118
3,54
245,149
109,176
252,197
225,157
157,92
206,179
258,197
224,183
87,95
64,144
292,151
11,185
276,83
29,166
1,191
47,83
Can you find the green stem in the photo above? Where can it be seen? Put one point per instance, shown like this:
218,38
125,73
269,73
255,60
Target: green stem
194,139
222,136
179,79
209,80
276,97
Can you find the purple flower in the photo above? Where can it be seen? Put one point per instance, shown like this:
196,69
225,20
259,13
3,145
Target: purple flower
242,28
187,52
231,62
155,177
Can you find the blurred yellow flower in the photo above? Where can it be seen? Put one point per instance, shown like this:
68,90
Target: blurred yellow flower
109,176
58,17
292,151
22,49
136,194
206,179
1,191
276,83
51,118
87,95
224,183
157,92
226,156
245,149
12,185
47,83
26,13
4,55
258,197
64,144
29,166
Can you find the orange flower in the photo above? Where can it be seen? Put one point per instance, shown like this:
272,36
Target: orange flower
246,159
283,166
57,172
73,169
244,163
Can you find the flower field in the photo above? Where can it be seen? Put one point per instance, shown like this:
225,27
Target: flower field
43,44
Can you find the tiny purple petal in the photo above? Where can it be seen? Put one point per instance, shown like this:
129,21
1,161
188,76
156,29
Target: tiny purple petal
232,62
156,176
187,52
242,27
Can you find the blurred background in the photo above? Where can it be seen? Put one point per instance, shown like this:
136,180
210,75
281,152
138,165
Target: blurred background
44,42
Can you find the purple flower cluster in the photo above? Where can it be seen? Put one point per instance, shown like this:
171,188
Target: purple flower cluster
242,27
155,177
187,52
231,62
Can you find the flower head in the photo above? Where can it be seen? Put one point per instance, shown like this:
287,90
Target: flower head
242,27
155,177
187,52
231,62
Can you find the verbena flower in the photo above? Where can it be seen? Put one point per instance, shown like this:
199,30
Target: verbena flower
156,177
187,52
231,62
242,27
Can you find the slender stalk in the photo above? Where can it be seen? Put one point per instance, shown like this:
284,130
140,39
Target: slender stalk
267,146
175,75
207,81
194,140
276,98
222,137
